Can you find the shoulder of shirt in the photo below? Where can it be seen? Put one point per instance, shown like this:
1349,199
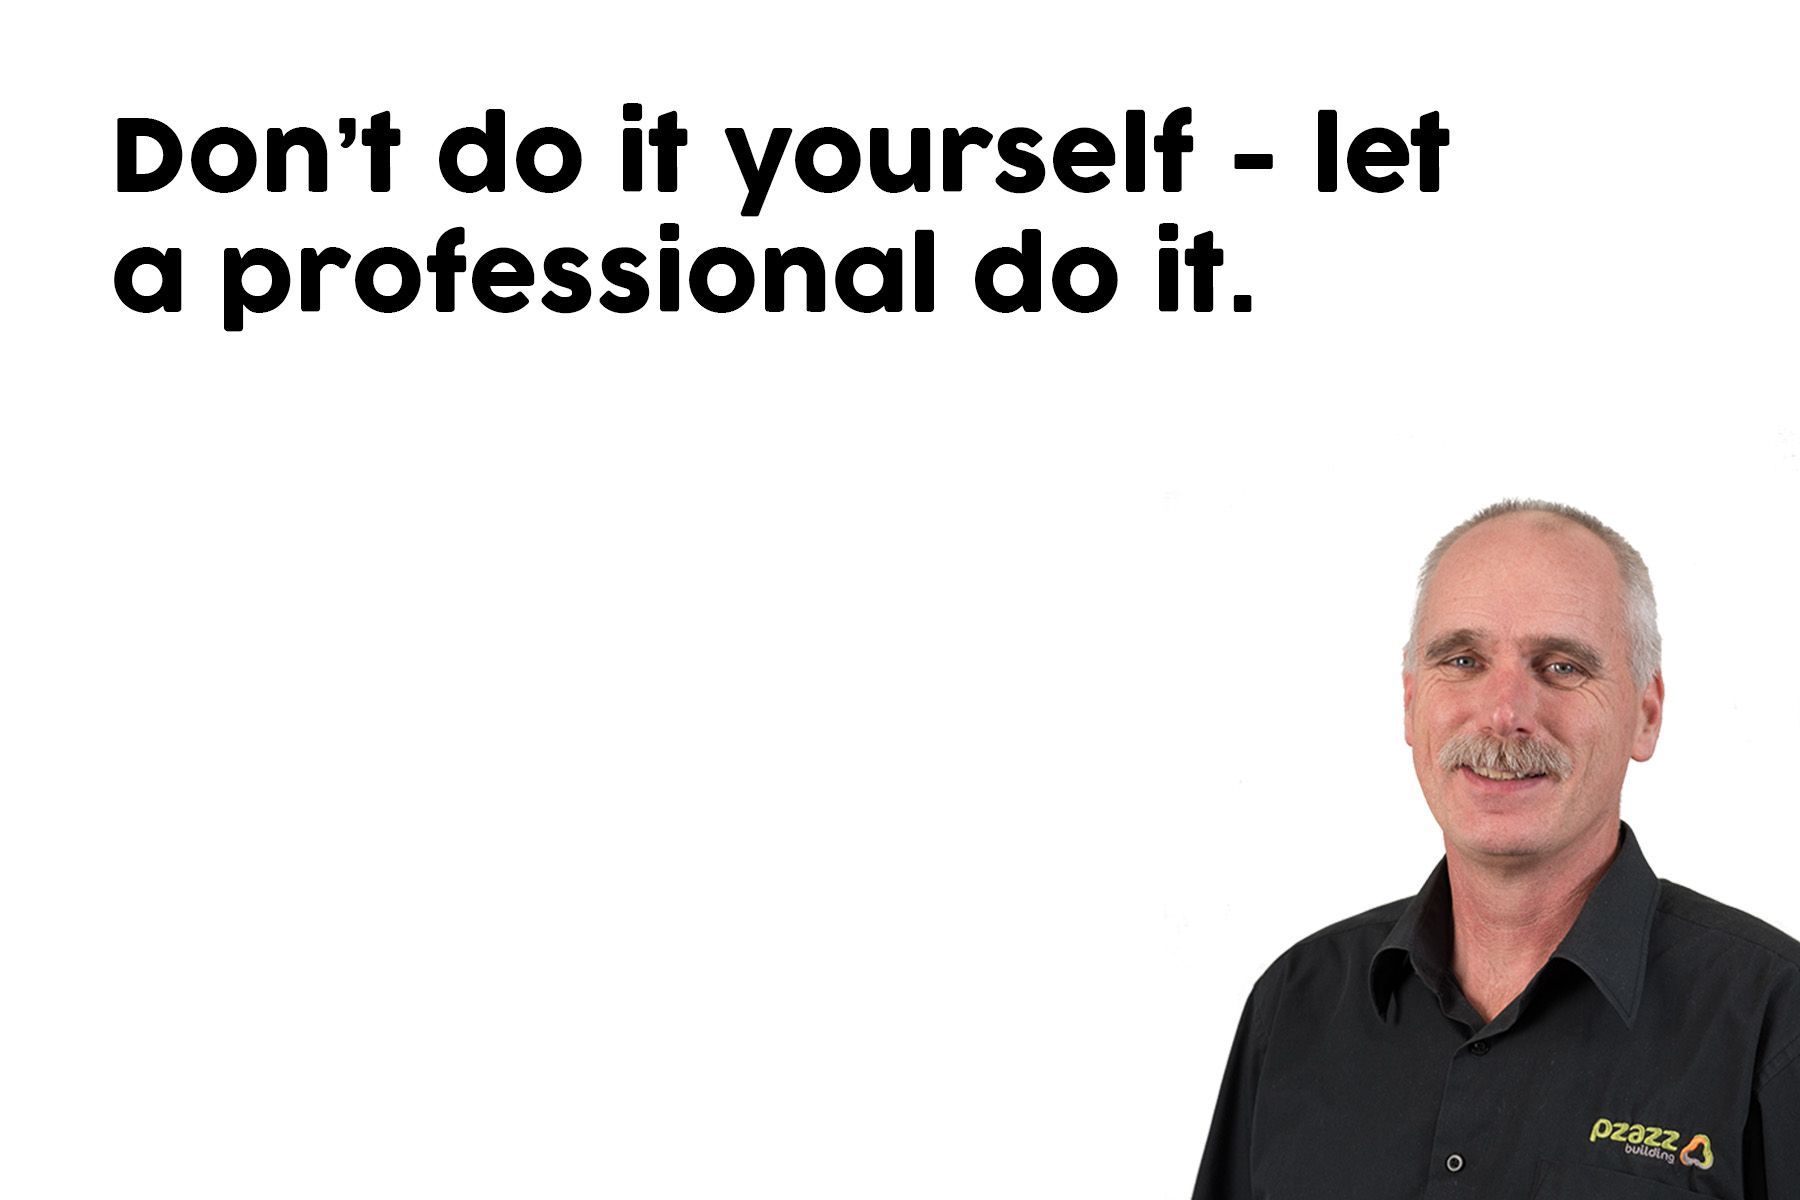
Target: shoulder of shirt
1382,917
1776,954
1366,929
1685,904
1333,957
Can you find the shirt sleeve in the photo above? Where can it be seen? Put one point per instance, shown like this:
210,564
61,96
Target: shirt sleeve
1774,1121
1225,1166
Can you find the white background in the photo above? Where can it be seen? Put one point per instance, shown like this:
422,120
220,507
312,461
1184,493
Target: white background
821,755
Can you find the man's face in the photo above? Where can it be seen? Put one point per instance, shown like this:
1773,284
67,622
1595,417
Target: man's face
1523,669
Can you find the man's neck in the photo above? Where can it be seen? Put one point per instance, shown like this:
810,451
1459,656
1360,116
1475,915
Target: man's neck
1510,914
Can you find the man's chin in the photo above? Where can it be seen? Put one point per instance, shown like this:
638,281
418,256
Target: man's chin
1492,835
1503,848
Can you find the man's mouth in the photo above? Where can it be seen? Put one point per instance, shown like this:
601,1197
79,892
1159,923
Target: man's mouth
1502,776
1516,762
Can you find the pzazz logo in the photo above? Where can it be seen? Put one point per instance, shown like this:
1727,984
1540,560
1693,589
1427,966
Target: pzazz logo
1697,1153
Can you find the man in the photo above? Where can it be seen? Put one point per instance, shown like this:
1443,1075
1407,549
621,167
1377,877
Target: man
1545,1020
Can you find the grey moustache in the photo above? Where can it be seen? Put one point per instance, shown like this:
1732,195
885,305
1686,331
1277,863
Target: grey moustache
1504,756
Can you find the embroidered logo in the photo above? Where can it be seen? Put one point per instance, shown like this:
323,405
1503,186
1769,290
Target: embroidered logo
1653,1141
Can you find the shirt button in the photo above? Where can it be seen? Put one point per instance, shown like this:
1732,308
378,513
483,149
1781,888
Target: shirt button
1478,1048
1454,1163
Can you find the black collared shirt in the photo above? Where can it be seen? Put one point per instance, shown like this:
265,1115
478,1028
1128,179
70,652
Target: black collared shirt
1656,1055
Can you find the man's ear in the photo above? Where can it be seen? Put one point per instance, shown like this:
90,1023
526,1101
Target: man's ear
1406,695
1650,715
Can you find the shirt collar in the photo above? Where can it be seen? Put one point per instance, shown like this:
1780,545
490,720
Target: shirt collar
1609,941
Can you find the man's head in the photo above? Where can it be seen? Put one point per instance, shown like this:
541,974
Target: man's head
1532,677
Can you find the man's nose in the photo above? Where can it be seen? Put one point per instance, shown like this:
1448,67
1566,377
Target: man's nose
1512,707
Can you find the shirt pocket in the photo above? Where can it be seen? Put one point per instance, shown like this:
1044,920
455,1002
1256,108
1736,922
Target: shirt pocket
1571,1181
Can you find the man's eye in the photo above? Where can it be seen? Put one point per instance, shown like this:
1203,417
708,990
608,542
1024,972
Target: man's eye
1562,670
1462,662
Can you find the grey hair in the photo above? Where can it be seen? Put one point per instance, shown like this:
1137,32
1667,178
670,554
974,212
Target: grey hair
1641,635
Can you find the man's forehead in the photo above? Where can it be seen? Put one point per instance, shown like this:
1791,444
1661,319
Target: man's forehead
1532,548
1525,575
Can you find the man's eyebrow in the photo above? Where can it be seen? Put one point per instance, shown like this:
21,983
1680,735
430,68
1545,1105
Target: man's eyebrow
1584,655
1580,652
1456,639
